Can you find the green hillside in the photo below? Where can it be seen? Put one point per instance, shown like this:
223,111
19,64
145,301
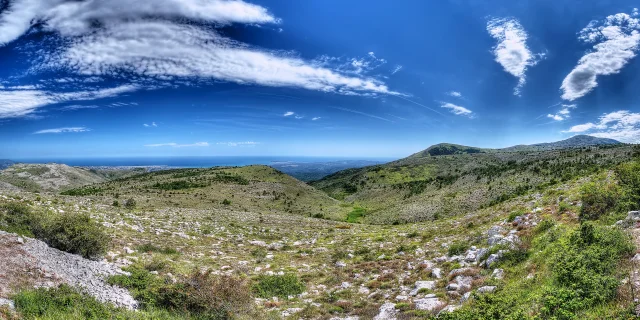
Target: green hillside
420,188
251,188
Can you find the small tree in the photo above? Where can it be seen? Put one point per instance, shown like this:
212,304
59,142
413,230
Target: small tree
226,202
116,203
130,204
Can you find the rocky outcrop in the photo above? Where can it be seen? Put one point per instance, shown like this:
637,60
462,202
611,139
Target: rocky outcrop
33,263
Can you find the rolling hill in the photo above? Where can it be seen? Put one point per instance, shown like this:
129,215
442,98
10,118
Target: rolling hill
461,179
259,189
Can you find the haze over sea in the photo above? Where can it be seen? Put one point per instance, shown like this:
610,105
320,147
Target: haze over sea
189,162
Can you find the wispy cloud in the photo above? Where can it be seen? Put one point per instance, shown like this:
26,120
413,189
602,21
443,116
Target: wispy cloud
78,107
512,52
362,113
316,118
455,94
153,124
396,69
289,113
457,110
63,130
564,113
621,125
615,40
18,103
176,145
239,144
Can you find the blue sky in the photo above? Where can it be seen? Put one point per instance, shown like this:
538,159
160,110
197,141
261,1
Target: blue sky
311,78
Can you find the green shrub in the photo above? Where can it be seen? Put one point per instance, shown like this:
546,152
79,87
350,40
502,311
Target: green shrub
598,199
278,286
629,176
586,260
130,204
17,218
34,304
199,296
71,232
75,233
148,247
226,202
458,248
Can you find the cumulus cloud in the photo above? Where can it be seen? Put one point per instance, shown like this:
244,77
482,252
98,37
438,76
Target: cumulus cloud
555,117
620,125
512,52
18,103
615,40
176,145
563,113
63,130
457,110
239,144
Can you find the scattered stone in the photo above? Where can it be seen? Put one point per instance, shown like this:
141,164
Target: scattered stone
7,303
291,311
487,289
428,304
430,285
341,264
437,273
387,312
498,274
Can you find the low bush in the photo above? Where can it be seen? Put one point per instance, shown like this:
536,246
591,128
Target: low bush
199,296
598,199
281,286
458,248
75,233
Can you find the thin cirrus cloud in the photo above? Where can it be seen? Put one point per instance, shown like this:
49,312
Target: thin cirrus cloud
512,51
176,145
239,144
107,38
153,124
19,102
289,113
63,130
615,40
620,125
457,110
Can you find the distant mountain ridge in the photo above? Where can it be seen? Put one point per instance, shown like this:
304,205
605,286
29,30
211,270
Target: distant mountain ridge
578,141
573,142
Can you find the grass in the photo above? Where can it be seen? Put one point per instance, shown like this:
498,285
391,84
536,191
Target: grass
356,215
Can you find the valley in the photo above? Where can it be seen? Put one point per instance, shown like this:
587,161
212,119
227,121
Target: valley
449,233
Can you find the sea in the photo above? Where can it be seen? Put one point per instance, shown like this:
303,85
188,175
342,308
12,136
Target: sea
188,162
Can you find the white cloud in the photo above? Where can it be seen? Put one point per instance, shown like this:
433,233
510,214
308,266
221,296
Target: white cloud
19,103
175,145
289,113
316,118
620,125
78,107
75,18
239,144
616,42
396,69
153,124
63,130
512,51
457,110
555,117
455,94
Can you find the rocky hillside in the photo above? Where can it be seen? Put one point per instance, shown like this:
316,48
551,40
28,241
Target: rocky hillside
578,141
421,188
259,189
